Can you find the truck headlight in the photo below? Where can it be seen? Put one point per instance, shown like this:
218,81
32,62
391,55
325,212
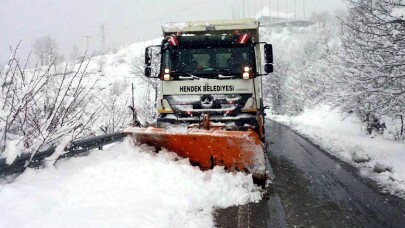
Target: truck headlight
246,73
166,75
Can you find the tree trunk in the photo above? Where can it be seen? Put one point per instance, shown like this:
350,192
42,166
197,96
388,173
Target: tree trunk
369,124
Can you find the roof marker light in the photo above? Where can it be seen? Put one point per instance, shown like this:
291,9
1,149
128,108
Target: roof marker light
243,39
173,40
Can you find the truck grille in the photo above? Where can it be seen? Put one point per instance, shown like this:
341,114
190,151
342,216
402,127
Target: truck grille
218,104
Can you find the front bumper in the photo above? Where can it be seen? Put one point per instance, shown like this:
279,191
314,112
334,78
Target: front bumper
240,120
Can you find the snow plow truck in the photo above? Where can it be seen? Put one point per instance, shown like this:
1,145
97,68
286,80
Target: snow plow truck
210,98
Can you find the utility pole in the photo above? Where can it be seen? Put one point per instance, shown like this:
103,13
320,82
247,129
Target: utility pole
87,41
102,28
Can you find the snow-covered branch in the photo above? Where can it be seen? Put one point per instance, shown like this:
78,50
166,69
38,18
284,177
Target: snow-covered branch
40,107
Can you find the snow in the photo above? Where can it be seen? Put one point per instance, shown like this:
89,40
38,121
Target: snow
398,12
341,135
112,73
122,187
177,129
175,26
13,150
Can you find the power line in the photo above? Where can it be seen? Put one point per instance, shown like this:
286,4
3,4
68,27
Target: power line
270,9
286,9
254,7
261,6
243,8
278,10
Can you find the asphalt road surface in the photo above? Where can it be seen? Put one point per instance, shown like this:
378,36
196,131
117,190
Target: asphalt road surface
313,189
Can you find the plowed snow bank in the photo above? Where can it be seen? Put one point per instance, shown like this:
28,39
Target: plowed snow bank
122,187
341,135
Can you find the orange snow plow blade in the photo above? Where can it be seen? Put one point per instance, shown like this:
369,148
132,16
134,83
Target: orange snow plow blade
236,150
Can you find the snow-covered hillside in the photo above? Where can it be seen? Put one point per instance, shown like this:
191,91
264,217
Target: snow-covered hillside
115,73
308,70
86,96
298,64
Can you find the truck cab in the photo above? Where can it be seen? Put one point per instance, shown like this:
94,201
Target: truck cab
211,70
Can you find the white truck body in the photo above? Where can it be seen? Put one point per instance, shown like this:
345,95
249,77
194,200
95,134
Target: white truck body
211,68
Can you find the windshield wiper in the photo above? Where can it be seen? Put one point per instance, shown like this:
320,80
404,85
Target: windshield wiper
220,76
190,77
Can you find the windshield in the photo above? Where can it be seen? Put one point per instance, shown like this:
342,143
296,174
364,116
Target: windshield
208,61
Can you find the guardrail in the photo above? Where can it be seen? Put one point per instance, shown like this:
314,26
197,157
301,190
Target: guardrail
74,148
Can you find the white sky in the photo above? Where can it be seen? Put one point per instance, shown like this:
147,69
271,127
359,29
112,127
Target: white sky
126,21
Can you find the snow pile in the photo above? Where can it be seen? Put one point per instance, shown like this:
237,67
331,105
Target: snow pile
341,135
122,187
12,151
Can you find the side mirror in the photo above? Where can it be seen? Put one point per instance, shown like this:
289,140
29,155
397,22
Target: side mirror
152,55
268,68
148,62
268,56
268,53
148,71
148,58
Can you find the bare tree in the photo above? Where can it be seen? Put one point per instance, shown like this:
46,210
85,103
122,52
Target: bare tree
299,77
147,108
370,78
101,62
138,70
75,52
115,112
39,108
46,50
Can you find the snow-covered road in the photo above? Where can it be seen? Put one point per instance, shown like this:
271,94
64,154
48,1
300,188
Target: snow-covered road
122,187
314,189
